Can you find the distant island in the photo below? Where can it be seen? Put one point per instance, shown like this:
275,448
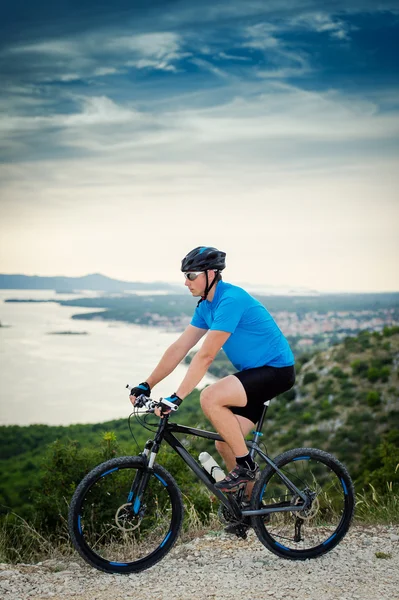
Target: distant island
28,300
67,333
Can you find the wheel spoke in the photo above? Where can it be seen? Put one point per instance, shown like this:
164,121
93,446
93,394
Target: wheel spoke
112,533
327,511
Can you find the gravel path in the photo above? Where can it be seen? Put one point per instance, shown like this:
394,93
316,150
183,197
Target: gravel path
221,567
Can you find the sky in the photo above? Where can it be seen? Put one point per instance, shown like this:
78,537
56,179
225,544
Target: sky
134,131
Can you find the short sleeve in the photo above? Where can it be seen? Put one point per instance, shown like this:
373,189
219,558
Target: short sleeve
227,315
198,320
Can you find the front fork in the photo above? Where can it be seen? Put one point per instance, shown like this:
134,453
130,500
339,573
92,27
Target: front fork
142,476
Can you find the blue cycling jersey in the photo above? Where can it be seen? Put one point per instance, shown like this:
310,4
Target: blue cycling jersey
255,340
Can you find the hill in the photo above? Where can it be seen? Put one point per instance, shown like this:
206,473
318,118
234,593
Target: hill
345,400
94,282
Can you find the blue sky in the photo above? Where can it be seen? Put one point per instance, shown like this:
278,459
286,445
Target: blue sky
146,128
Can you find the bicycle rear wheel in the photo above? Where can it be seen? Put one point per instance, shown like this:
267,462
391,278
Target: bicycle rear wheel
316,530
116,531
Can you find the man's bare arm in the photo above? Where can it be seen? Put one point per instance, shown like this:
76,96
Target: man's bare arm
202,361
175,354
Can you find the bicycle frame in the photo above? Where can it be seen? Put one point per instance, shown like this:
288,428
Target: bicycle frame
165,432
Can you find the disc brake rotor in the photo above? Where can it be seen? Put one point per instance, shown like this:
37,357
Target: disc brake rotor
311,511
125,519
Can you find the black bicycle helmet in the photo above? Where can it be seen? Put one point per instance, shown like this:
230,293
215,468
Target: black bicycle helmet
204,258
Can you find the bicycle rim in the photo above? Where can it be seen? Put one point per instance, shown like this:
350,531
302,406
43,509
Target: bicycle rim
316,530
116,531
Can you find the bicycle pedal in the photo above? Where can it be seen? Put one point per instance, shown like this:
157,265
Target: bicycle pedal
238,529
242,532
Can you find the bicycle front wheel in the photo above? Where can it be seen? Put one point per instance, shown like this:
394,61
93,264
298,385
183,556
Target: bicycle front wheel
116,527
330,497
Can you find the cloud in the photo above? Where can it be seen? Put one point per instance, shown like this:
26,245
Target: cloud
276,51
227,56
103,71
322,22
247,103
267,112
96,111
97,54
208,66
158,45
278,124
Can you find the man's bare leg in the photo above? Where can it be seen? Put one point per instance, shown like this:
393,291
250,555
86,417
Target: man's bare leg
227,454
224,449
215,402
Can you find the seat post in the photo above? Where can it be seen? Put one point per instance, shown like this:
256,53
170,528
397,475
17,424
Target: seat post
258,432
263,415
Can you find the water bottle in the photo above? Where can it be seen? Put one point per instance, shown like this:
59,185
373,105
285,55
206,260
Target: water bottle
211,466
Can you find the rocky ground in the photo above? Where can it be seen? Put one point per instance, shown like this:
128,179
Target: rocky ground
221,567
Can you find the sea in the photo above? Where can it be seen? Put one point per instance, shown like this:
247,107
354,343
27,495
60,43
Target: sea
53,378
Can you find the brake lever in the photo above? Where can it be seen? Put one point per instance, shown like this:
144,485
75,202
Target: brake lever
142,401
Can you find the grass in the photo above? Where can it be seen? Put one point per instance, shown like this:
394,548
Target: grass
21,542
374,508
194,526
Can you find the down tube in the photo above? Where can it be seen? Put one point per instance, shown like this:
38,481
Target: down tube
190,462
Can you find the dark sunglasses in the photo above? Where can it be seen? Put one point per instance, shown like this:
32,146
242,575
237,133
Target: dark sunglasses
192,275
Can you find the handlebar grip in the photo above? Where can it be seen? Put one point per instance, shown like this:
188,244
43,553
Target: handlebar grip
170,405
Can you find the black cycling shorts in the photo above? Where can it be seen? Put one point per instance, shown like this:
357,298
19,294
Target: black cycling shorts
261,384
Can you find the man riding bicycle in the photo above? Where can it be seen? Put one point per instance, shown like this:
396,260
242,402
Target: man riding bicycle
235,321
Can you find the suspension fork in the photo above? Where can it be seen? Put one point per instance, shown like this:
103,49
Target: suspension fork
142,477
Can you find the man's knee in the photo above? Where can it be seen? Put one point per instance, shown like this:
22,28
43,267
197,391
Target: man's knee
206,399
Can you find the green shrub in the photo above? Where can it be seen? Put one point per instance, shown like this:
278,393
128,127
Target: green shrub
351,344
327,413
384,555
288,396
300,361
385,373
364,340
389,331
308,418
338,373
65,465
344,399
325,388
373,398
310,377
381,361
373,374
359,367
379,464
341,355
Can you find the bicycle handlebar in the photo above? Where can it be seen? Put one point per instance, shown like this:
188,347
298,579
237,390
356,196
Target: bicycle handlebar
144,404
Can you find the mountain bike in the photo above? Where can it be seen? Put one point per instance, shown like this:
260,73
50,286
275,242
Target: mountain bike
126,514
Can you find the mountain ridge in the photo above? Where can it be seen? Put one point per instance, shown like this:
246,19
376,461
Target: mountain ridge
92,281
